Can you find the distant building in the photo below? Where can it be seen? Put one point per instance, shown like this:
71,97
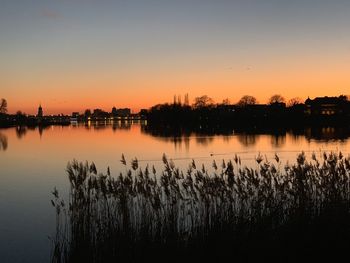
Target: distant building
75,114
327,106
123,112
100,114
74,118
114,112
40,112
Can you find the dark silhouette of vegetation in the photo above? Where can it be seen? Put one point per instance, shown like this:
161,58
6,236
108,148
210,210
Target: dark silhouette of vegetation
87,113
294,101
204,114
276,99
3,106
247,100
269,213
226,101
203,101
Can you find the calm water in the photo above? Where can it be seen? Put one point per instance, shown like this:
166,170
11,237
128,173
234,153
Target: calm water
33,161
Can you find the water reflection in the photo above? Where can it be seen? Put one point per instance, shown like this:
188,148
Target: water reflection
21,131
204,140
227,138
3,142
278,140
122,125
247,139
104,143
296,136
115,125
183,139
180,141
327,133
41,130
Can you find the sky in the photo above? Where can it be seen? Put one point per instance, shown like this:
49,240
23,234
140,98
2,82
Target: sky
70,55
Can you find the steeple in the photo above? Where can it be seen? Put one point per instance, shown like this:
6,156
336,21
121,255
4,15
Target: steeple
40,112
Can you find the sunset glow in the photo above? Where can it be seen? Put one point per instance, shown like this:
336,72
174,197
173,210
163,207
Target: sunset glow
73,55
174,131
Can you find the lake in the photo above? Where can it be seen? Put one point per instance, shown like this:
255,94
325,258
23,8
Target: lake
33,162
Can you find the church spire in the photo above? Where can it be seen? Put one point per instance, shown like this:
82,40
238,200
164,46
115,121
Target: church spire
40,112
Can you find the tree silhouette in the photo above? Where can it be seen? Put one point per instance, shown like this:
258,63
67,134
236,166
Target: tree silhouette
277,99
203,101
87,113
187,101
344,97
294,101
226,101
3,106
247,100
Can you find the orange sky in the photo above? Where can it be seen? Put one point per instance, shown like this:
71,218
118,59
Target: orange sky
143,89
70,57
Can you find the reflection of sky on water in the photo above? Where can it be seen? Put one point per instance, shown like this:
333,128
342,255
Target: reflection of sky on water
35,159
3,142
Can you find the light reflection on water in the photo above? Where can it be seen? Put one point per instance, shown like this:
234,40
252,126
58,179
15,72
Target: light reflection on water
33,161
3,142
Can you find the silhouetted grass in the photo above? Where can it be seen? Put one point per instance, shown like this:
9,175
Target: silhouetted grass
272,211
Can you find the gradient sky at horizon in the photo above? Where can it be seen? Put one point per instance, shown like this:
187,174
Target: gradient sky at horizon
70,55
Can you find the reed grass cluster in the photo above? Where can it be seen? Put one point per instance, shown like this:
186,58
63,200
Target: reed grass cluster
110,217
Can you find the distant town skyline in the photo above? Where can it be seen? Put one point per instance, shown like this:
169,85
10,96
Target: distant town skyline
183,100
73,55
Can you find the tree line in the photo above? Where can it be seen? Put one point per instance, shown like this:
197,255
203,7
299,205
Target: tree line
206,114
204,101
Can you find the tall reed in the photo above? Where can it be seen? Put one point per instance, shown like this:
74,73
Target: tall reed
117,217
